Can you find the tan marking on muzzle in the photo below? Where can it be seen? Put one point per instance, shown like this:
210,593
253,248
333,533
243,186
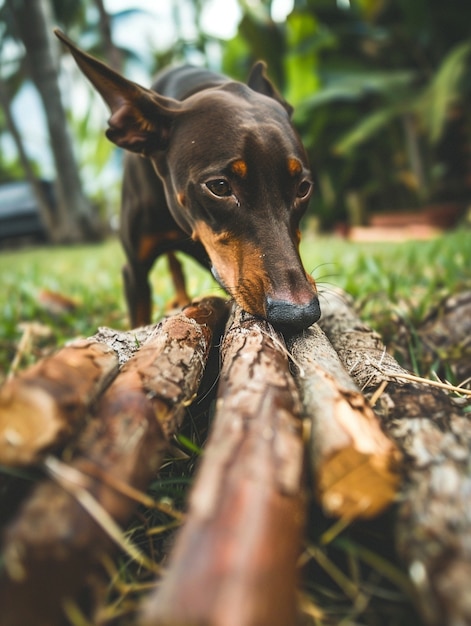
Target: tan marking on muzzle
238,266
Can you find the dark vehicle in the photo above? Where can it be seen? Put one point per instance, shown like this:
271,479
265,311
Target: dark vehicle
19,212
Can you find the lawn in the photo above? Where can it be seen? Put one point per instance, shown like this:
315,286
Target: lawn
389,281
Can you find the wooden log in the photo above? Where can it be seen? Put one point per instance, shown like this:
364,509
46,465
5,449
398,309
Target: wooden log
433,530
45,405
234,561
54,541
354,463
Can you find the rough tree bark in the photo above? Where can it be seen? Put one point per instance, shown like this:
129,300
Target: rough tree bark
355,465
54,541
434,435
234,561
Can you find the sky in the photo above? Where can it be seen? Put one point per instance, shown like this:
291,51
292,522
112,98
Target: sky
220,17
155,29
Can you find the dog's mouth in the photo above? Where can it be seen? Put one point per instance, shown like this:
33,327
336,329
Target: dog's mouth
218,278
286,316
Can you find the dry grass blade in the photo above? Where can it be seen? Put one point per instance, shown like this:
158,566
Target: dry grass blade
426,381
96,471
71,480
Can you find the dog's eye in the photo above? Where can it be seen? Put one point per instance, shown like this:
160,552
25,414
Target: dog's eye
219,187
304,189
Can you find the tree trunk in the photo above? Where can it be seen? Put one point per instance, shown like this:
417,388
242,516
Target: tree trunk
45,209
76,220
234,561
434,435
113,53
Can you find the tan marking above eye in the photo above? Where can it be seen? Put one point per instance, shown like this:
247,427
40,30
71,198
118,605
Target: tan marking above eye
239,168
294,166
181,198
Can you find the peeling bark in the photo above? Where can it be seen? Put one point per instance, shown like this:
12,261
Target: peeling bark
433,530
54,542
355,465
46,404
234,561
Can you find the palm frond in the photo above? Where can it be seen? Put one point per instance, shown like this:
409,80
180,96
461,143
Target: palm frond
445,90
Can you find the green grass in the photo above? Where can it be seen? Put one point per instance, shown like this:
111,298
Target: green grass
403,278
387,280
90,275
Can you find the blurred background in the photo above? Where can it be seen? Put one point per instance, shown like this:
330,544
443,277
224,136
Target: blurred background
381,90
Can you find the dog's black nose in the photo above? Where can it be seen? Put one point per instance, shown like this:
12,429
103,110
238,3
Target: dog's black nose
293,317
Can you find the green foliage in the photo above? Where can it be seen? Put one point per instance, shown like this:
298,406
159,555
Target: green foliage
305,37
258,38
447,89
95,154
356,72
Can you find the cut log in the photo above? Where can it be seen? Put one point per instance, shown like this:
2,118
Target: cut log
434,435
54,541
45,405
355,465
234,561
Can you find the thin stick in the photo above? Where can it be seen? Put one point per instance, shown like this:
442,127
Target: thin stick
427,381
72,480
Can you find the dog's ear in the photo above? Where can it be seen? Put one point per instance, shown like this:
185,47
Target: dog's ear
140,118
259,81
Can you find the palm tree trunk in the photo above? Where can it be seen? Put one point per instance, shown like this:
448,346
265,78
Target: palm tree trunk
76,221
45,209
113,53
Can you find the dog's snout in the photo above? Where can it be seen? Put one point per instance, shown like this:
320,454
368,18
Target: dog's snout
292,316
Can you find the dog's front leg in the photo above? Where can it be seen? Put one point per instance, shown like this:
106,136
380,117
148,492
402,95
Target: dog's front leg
178,278
138,293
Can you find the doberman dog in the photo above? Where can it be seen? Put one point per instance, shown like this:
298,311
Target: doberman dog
225,180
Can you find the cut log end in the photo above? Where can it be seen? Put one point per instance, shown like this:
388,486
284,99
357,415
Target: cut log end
47,403
351,484
354,463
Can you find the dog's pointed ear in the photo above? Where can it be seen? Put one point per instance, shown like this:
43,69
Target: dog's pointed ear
259,81
140,118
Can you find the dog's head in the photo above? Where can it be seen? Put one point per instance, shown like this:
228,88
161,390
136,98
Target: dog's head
236,179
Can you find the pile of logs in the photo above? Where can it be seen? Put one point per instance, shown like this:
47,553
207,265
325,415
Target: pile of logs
327,413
